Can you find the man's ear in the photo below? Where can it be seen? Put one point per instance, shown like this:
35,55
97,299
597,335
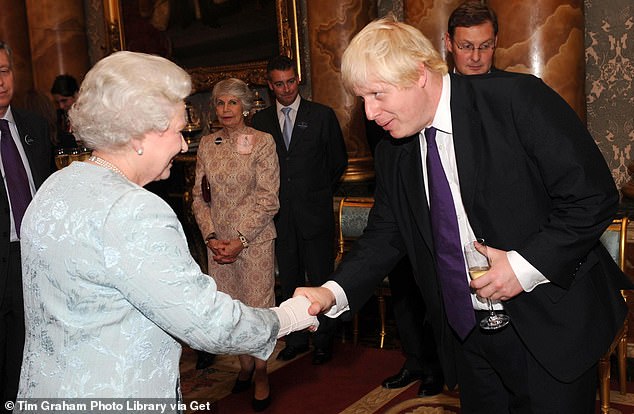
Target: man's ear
423,74
449,45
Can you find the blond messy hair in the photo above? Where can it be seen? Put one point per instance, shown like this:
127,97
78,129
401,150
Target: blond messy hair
388,51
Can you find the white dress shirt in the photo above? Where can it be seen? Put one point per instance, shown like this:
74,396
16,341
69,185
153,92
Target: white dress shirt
292,114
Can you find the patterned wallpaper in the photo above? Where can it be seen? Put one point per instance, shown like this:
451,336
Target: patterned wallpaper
609,88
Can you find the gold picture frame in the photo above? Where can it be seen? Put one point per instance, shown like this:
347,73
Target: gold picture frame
204,77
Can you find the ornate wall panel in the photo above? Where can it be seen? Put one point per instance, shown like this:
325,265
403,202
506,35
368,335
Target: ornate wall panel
545,38
330,27
610,92
430,17
58,40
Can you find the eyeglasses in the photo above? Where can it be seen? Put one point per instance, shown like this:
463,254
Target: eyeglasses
469,48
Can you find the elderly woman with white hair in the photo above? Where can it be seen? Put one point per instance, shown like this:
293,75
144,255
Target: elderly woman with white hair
109,284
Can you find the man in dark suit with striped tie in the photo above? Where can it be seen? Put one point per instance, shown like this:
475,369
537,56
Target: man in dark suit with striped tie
25,163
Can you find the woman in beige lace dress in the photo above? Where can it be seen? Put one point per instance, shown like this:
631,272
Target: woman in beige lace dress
235,213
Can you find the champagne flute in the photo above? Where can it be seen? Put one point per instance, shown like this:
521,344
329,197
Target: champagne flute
475,253
62,158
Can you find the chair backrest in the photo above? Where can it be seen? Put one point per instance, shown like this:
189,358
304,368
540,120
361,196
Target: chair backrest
614,239
353,217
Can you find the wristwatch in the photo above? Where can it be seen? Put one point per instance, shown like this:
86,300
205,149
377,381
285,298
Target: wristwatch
210,236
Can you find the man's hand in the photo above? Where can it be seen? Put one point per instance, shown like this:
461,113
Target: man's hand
321,299
500,282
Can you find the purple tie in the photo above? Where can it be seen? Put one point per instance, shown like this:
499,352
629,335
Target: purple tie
16,179
449,258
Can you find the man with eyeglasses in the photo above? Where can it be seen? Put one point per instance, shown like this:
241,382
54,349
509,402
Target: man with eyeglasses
471,38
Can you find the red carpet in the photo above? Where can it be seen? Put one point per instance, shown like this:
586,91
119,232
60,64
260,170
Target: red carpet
349,384
301,387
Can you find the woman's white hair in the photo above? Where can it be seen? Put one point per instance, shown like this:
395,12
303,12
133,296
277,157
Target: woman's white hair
234,87
126,95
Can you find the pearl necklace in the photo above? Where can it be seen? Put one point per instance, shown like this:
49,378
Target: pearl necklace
100,161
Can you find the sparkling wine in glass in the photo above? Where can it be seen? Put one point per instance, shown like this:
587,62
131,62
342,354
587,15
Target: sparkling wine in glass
62,159
478,263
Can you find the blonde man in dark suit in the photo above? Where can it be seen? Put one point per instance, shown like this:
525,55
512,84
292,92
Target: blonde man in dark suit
524,174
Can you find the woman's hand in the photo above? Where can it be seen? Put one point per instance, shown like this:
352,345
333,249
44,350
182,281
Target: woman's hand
294,316
213,245
225,251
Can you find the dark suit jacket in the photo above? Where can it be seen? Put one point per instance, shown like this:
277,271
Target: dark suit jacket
310,169
532,180
34,136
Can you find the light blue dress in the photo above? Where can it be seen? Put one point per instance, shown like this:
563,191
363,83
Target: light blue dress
109,287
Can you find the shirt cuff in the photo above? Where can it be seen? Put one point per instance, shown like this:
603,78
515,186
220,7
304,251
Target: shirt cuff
341,300
528,276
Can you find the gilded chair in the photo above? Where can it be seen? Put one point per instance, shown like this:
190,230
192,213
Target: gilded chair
353,216
614,239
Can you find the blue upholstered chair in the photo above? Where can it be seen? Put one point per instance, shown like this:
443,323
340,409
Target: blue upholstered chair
614,239
353,217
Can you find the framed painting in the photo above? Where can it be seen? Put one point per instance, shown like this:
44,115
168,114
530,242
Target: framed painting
211,39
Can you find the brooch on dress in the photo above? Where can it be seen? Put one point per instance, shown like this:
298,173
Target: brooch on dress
244,144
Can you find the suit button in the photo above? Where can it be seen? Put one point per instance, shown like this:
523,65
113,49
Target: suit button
289,180
287,158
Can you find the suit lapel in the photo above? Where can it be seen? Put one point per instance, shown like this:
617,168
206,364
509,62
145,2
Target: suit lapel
467,133
31,142
302,120
411,174
27,140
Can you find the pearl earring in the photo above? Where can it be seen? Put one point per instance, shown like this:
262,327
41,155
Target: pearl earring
245,113
139,151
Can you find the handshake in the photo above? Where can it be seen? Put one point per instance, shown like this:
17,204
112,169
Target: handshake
293,315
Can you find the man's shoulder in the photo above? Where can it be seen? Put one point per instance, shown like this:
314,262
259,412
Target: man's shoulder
495,79
315,106
25,116
264,112
496,87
